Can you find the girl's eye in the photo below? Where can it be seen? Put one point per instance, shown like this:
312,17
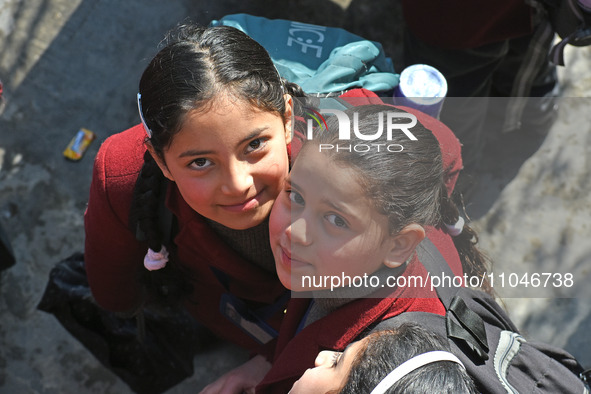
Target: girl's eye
201,163
255,144
335,358
337,221
296,197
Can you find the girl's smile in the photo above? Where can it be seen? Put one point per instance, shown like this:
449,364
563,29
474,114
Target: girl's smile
246,205
289,261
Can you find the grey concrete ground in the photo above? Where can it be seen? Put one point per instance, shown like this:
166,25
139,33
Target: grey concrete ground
68,64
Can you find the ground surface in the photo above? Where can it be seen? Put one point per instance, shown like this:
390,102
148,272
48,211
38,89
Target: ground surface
68,64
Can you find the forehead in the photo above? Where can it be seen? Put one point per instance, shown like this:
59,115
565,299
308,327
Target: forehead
224,120
339,179
225,104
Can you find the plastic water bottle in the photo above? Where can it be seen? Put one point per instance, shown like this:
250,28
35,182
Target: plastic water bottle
421,87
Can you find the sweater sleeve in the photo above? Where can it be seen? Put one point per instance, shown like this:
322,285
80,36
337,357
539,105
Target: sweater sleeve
113,257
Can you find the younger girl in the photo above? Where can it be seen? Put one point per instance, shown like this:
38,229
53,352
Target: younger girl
407,359
211,156
346,229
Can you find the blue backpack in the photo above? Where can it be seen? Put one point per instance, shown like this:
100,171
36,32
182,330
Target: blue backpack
321,60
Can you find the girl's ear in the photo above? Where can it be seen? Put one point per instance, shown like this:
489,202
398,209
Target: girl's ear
288,117
404,244
159,161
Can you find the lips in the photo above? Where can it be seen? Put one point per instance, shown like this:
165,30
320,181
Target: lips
289,261
245,205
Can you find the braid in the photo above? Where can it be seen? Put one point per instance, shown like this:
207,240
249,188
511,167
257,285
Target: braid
474,262
145,204
168,285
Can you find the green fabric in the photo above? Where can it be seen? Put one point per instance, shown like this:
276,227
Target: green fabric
318,58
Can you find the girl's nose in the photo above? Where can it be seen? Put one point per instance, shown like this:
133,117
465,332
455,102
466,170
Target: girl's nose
324,358
298,231
238,179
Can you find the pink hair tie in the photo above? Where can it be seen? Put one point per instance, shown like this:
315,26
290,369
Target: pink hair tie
455,229
156,260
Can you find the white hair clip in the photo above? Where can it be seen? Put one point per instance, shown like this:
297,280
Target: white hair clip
410,365
139,107
455,229
156,260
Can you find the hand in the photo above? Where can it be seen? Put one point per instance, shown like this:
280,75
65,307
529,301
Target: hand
242,379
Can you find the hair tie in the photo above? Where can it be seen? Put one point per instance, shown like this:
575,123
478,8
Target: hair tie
139,107
410,365
156,260
455,229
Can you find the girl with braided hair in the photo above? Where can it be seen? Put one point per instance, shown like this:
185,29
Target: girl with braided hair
210,155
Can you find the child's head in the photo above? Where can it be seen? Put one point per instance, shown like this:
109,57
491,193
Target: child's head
218,118
353,206
385,356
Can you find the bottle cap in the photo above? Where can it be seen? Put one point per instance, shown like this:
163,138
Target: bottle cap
422,87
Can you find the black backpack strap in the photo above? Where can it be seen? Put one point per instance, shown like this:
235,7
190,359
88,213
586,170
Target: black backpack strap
436,265
461,323
467,327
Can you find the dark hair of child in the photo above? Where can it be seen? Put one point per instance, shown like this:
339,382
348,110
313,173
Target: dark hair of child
383,351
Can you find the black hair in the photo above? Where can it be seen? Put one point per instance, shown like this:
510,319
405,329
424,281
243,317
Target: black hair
383,351
197,65
408,186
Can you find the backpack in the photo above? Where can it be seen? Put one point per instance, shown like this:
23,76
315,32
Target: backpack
570,19
320,59
483,337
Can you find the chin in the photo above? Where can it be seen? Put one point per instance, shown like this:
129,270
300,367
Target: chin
244,222
284,277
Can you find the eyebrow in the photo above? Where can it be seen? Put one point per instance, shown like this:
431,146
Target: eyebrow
326,201
336,206
255,133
